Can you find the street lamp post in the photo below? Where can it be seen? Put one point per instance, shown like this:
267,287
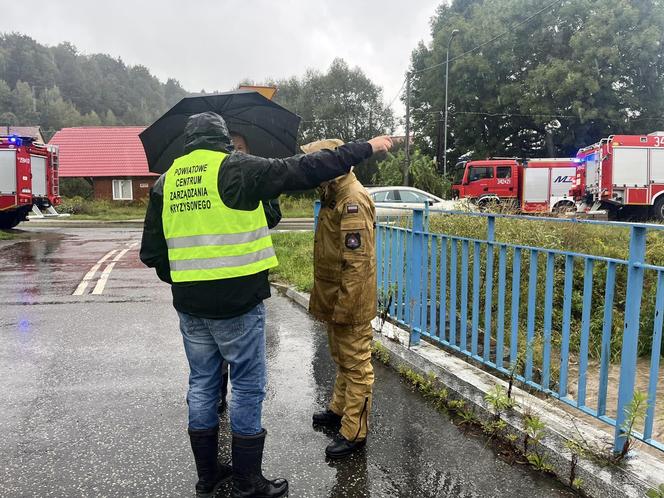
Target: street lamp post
447,73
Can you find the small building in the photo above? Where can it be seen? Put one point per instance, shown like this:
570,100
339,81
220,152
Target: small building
110,158
23,131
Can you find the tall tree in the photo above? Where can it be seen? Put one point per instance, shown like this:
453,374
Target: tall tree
23,104
340,103
55,112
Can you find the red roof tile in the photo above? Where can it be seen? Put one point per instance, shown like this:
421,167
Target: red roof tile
101,151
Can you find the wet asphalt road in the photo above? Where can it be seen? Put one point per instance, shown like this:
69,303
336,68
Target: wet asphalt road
92,391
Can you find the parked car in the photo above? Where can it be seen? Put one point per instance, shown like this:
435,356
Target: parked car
391,201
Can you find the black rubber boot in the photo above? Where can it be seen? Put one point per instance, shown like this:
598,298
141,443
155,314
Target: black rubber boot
248,480
327,418
211,473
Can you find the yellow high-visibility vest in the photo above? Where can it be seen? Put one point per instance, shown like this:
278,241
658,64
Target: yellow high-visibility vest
206,239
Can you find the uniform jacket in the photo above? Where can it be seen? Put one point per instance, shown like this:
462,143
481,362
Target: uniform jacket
244,181
344,255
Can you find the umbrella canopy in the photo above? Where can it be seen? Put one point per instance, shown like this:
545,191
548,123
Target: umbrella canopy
270,130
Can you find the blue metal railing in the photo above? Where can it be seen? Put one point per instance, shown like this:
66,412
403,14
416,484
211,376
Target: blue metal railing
532,313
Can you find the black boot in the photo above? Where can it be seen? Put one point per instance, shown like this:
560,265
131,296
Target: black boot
327,418
342,447
248,480
211,473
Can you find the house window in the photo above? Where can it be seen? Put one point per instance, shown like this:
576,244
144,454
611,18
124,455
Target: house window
122,190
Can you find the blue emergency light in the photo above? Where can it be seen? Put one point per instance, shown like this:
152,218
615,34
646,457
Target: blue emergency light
15,140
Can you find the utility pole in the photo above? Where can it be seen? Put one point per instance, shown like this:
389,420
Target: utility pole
406,166
447,73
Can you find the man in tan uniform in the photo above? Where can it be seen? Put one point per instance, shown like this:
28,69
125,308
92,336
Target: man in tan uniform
344,296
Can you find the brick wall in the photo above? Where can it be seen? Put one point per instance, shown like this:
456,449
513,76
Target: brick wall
103,187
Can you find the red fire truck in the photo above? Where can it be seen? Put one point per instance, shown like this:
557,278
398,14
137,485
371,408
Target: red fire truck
28,179
531,185
624,174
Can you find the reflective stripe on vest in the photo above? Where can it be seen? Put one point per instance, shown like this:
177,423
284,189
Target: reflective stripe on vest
206,239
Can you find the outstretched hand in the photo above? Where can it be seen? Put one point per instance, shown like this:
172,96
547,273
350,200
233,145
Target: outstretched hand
381,144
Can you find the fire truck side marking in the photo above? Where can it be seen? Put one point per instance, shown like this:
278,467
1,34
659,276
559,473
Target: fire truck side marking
103,278
89,275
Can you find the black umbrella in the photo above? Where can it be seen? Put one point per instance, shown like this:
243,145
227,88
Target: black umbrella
270,130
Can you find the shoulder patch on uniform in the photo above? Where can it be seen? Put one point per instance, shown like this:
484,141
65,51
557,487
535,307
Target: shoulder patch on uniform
353,240
352,208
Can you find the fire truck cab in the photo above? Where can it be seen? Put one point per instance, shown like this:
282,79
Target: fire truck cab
28,179
532,186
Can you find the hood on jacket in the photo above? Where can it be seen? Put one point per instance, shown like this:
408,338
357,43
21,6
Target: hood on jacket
208,131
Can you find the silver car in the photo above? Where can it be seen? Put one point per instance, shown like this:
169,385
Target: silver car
399,201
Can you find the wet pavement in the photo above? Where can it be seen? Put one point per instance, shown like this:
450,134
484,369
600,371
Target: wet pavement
92,391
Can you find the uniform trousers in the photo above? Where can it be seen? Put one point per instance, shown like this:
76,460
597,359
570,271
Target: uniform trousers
350,348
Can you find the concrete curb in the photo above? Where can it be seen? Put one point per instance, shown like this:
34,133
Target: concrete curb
285,224
469,383
39,223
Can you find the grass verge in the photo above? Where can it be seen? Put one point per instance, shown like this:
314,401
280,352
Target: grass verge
296,207
295,253
90,209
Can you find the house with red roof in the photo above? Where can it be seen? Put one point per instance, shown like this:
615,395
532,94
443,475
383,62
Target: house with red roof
111,158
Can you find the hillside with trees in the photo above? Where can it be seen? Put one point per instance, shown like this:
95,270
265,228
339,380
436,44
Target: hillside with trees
56,87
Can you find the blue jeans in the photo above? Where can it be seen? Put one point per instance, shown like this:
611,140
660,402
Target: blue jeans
240,341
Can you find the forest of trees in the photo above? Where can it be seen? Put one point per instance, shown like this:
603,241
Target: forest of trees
582,69
56,87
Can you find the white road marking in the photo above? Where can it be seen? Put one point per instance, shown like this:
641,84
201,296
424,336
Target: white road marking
101,283
89,275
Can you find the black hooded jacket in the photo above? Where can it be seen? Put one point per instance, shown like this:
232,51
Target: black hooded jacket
244,181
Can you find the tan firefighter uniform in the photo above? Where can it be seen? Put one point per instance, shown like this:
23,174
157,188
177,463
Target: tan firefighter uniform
344,293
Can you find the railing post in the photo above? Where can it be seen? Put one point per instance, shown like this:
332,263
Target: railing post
414,276
316,213
637,252
491,229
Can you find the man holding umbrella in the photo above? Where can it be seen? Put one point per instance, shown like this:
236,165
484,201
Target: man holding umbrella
206,234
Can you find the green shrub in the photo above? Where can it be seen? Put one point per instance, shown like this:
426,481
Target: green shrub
423,173
76,187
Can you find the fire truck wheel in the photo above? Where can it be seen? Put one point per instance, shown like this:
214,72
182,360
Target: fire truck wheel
8,220
658,209
488,204
564,208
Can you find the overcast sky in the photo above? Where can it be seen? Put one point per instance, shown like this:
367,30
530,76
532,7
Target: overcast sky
212,45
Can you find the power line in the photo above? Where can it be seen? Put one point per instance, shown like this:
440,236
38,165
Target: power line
398,93
544,115
491,40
